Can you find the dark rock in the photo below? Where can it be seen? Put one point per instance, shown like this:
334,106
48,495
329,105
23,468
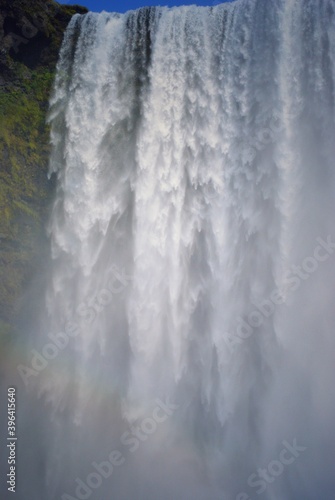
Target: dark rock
31,31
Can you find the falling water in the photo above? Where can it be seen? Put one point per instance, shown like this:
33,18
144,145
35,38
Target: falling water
191,256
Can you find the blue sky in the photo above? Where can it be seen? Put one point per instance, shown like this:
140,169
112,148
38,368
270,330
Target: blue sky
124,5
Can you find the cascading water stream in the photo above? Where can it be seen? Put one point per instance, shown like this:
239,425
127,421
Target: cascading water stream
194,152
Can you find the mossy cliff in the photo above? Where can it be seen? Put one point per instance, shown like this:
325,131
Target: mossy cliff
31,33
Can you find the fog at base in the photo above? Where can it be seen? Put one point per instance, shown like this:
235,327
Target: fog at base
184,342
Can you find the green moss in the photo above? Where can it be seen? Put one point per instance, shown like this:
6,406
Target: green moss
69,10
24,190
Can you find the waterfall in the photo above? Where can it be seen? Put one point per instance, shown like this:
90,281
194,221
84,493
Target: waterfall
187,320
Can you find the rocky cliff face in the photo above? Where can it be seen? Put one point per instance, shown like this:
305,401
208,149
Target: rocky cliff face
31,33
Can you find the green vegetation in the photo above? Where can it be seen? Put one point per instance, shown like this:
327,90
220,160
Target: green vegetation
31,32
24,190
